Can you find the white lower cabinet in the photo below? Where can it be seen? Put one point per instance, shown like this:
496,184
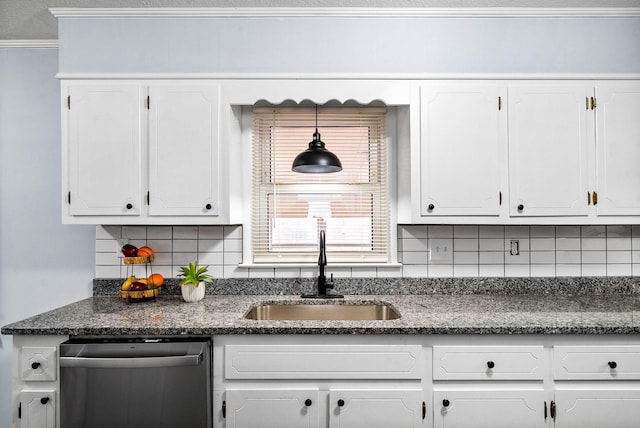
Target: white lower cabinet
37,409
277,407
585,408
376,408
489,408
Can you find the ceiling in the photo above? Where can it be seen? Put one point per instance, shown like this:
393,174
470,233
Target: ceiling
31,20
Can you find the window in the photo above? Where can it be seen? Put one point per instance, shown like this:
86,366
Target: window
351,206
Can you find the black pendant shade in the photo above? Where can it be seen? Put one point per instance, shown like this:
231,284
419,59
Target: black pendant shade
316,159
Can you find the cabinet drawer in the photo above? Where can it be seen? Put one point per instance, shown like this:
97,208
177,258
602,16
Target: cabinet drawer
323,362
487,362
596,362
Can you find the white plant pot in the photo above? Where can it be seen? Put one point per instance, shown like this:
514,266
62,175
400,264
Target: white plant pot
191,293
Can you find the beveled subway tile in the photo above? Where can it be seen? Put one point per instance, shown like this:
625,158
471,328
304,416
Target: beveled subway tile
543,257
465,258
414,271
491,270
159,232
543,270
569,257
415,244
516,270
210,232
568,269
491,258
413,231
516,232
440,231
543,231
593,244
619,269
414,258
618,244
594,270
491,244
491,231
185,232
567,244
134,232
594,231
465,271
618,231
465,244
594,257
465,231
542,244
615,257
440,271
567,231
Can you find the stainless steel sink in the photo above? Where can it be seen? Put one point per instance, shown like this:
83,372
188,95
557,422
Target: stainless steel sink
305,311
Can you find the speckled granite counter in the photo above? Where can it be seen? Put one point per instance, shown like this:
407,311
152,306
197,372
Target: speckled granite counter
420,314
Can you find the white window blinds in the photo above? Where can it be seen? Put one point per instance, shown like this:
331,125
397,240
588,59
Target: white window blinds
289,209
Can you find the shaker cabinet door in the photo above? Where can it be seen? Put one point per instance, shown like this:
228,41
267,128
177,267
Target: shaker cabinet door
103,131
550,128
375,408
597,408
618,149
183,150
461,149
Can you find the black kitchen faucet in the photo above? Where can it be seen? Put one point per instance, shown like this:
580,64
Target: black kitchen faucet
323,285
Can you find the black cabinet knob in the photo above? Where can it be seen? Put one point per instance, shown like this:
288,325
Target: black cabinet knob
208,206
520,207
129,206
431,207
35,365
308,402
44,400
612,364
491,364
445,403
340,403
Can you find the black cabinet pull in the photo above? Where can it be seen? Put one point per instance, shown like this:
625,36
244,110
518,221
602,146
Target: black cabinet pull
340,403
520,207
44,400
431,207
424,410
208,206
612,364
308,402
552,410
129,206
35,365
491,364
445,403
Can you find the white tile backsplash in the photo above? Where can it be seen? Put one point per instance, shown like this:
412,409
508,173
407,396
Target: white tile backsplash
477,250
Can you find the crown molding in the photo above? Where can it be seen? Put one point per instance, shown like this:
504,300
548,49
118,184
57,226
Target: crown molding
31,44
73,12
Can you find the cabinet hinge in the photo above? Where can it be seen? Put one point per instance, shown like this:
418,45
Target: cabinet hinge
552,410
594,198
545,411
69,198
594,103
588,198
20,411
148,102
424,410
69,102
586,103
224,409
499,103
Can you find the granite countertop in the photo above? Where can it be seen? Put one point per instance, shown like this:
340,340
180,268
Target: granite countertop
529,313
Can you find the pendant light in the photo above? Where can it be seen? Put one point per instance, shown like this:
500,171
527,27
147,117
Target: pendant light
316,159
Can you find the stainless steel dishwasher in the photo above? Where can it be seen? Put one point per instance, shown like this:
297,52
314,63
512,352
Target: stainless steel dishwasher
141,382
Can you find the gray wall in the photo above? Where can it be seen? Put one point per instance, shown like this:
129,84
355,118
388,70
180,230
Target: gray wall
43,264
372,44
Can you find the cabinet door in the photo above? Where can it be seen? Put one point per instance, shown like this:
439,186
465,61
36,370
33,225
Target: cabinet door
183,150
103,126
37,409
489,409
462,135
272,408
618,149
597,408
549,133
375,408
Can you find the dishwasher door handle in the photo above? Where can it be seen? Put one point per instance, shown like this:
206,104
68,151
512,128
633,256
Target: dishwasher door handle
132,362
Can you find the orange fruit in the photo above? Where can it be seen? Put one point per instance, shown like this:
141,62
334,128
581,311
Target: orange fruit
155,279
145,252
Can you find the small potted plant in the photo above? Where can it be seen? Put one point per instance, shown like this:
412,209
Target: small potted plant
193,281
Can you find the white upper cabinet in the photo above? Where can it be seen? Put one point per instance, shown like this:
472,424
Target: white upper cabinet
102,124
461,149
549,135
183,150
618,149
143,153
